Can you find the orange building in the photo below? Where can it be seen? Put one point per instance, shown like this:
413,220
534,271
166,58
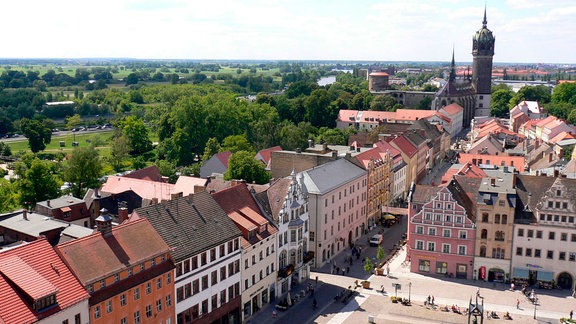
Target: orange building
128,271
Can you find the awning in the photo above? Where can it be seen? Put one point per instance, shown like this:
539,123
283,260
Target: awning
520,273
545,276
389,217
65,209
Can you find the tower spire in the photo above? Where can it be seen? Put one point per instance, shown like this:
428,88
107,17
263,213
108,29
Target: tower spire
484,22
453,67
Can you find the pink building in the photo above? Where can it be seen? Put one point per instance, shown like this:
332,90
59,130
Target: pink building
441,233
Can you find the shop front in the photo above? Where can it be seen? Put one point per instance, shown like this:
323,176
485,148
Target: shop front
545,279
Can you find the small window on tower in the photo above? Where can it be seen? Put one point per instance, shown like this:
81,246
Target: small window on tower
481,97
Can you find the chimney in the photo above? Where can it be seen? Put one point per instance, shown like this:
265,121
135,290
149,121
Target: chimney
25,214
48,202
104,222
122,214
493,182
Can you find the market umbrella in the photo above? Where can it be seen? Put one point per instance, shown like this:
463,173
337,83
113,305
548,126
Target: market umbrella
389,217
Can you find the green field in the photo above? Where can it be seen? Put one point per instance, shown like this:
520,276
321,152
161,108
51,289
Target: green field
102,138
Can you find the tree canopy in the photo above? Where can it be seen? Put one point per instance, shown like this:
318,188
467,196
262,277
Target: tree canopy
82,170
38,132
242,165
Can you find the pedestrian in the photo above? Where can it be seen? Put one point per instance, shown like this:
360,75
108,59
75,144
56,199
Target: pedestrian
337,270
348,270
388,270
512,286
571,313
274,314
432,300
478,292
428,299
517,303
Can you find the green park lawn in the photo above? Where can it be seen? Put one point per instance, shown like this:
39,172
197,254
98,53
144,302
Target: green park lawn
84,139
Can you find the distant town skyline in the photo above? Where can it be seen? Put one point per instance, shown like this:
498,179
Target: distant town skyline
526,31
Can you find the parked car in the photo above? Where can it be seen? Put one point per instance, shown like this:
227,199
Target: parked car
376,240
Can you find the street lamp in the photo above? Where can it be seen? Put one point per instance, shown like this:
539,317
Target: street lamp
410,291
534,307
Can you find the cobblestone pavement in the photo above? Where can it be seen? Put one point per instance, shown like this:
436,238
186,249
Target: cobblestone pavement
498,298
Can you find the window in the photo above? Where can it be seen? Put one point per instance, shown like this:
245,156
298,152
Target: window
504,219
537,253
549,254
432,231
109,306
205,306
551,235
563,236
445,248
446,233
499,236
203,259
222,273
159,305
528,252
168,300
572,237
539,234
461,249
462,234
419,245
214,301
424,265
572,256
223,296
123,300
564,205
195,311
148,288
431,246
562,256
97,312
519,251
441,267
427,216
550,204
205,282
483,251
246,284
136,293
484,234
419,230
196,286
520,232
497,219
137,317
558,193
498,253
213,254
148,311
194,262
123,320
214,276
501,202
484,217
530,233
459,219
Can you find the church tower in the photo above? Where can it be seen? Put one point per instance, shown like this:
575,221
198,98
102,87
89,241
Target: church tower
482,53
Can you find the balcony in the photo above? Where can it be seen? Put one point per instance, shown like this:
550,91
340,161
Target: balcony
286,271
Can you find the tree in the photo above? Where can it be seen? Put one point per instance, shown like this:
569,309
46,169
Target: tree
425,104
380,253
132,78
38,181
9,196
382,103
368,265
235,143
137,133
538,93
500,101
73,121
119,151
82,170
242,165
38,134
212,147
564,93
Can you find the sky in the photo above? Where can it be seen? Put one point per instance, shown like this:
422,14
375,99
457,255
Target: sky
526,31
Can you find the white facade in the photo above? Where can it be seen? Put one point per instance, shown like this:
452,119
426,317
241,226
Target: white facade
258,274
292,238
212,272
399,185
337,194
70,314
482,105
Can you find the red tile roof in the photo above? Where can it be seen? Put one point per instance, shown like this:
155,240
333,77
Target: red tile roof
98,256
34,269
453,109
405,146
266,154
144,188
151,173
224,157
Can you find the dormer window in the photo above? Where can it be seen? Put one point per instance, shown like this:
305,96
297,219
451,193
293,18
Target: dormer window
44,302
558,193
